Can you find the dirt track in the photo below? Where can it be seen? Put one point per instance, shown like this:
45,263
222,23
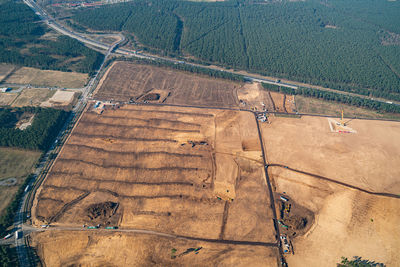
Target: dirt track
169,184
349,181
125,81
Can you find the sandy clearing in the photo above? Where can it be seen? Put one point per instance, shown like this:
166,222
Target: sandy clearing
66,248
348,223
368,159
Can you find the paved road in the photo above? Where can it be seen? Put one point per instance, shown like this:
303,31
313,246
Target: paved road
46,163
51,22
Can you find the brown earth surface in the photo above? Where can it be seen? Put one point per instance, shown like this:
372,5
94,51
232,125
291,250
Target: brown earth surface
26,75
7,98
32,97
368,159
124,81
84,248
347,222
166,169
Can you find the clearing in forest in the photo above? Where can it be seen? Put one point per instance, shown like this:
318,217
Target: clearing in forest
350,181
188,172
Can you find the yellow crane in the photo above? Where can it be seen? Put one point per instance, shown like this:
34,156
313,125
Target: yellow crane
342,120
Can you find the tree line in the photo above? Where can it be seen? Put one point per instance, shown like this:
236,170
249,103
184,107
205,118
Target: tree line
21,43
335,97
335,45
40,135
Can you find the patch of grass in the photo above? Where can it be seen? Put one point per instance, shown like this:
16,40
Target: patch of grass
33,97
317,106
16,163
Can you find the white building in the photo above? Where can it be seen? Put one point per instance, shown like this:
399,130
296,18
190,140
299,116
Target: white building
5,89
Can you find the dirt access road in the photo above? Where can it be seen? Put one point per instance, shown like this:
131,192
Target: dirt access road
168,169
350,181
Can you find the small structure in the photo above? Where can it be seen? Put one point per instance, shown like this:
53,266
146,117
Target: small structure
5,89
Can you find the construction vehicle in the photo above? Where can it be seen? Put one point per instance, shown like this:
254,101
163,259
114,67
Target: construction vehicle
7,236
284,198
283,225
288,207
285,246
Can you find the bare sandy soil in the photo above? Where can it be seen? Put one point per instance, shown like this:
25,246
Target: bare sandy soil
125,81
368,159
59,99
26,75
167,169
347,221
72,248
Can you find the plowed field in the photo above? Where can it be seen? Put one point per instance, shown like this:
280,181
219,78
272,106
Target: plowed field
125,81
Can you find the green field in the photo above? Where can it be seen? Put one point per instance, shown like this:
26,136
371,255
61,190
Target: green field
14,163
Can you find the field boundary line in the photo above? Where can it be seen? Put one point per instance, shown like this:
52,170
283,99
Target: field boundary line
336,182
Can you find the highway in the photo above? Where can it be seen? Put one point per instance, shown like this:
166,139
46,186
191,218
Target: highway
77,110
46,163
54,24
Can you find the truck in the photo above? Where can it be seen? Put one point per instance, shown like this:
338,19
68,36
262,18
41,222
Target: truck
92,227
284,198
111,227
7,236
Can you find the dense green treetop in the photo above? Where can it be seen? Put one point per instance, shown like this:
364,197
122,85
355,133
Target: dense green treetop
349,45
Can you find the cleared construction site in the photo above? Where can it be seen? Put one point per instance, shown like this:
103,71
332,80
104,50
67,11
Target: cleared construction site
189,172
169,168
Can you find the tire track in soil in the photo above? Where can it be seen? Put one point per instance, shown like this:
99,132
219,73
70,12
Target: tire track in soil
224,220
123,126
115,194
67,207
284,103
77,134
272,101
136,167
336,182
170,112
82,177
136,154
151,120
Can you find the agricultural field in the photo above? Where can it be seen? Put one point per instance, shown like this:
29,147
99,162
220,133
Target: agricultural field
15,165
317,106
32,97
188,172
48,78
350,181
7,98
124,81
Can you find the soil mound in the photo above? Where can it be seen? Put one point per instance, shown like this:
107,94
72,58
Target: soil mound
102,211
